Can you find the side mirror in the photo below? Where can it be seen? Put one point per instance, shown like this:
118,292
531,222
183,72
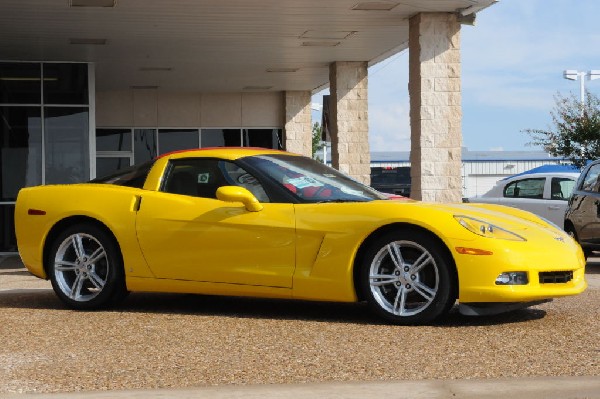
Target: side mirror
239,194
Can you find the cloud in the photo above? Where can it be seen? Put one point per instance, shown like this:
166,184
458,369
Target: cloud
389,126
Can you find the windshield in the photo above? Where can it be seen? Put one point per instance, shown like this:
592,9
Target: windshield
312,181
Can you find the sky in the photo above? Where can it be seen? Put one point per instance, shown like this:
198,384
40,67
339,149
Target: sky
512,68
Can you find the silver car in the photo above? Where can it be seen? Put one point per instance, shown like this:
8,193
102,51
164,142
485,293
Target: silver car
545,194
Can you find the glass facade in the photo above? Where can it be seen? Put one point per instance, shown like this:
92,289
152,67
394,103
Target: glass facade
45,134
44,131
117,148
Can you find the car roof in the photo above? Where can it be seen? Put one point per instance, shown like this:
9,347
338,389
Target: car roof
538,175
230,153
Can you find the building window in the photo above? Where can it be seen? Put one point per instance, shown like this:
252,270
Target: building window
221,138
144,145
177,139
20,83
66,84
20,149
44,137
113,140
66,145
263,138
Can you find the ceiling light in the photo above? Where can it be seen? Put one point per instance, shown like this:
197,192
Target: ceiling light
375,6
97,42
282,70
315,34
321,43
257,88
92,3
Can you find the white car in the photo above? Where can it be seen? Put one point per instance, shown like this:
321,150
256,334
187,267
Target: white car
545,194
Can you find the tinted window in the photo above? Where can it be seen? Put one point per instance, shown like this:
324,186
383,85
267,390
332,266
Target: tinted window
113,139
221,138
177,139
561,188
590,182
66,145
264,138
65,84
526,188
20,83
202,178
144,143
134,176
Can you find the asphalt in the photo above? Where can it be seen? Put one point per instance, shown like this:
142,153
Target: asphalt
571,387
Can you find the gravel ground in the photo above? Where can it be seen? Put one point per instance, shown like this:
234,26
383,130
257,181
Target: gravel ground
178,341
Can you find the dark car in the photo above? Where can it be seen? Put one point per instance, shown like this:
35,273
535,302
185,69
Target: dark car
582,218
391,180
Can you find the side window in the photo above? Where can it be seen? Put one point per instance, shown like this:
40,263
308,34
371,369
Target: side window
590,183
561,188
237,176
526,188
202,178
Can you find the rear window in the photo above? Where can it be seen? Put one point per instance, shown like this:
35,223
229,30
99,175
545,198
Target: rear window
134,176
391,175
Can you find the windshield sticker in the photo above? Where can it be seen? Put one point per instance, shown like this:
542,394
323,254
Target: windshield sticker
304,181
203,177
352,192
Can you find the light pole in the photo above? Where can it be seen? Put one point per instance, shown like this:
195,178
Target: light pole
573,74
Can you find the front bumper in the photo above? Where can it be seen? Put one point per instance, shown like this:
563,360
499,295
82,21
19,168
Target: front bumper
477,273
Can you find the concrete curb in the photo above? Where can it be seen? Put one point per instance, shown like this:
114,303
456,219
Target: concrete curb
587,387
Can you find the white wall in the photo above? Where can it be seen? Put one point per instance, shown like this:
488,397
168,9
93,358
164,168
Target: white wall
152,108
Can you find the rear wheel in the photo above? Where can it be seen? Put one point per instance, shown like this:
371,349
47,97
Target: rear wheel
86,268
407,278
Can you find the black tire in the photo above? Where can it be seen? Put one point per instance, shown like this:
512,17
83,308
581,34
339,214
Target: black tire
86,268
417,287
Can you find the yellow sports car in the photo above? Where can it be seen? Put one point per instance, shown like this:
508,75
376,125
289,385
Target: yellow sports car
253,222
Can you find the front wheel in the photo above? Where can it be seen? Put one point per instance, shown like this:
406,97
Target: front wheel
407,278
86,268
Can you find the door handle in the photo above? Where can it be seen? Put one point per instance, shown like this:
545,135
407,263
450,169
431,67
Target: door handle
553,207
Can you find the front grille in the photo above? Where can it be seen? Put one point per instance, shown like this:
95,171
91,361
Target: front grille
555,277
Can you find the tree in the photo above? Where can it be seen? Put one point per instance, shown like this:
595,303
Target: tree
575,132
317,144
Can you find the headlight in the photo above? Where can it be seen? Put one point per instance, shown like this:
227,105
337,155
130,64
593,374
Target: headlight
486,229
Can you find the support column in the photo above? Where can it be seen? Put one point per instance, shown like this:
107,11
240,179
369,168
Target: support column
348,87
435,107
298,129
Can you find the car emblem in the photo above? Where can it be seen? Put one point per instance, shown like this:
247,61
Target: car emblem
559,239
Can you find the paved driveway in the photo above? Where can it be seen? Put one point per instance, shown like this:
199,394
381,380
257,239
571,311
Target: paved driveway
183,341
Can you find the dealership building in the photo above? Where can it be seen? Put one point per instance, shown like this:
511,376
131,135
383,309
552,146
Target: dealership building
90,86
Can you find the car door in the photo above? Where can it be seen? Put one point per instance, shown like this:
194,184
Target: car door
185,233
584,208
527,194
556,196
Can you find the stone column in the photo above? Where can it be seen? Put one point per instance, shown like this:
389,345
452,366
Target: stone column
298,129
435,107
349,128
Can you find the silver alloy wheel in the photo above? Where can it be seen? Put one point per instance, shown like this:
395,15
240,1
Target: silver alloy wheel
404,278
81,267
